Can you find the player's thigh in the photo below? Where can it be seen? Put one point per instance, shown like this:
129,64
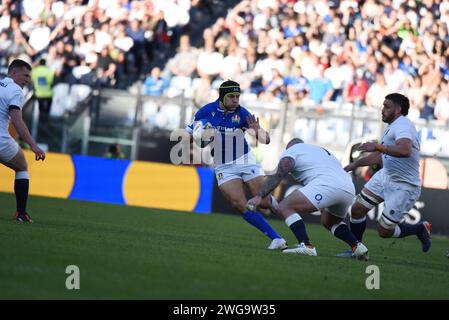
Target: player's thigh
399,200
18,161
336,202
233,192
296,202
371,195
255,184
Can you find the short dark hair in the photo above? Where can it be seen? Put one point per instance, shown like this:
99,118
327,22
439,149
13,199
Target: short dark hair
400,100
294,141
18,64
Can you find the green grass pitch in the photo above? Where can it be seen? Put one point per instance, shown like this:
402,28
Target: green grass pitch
136,253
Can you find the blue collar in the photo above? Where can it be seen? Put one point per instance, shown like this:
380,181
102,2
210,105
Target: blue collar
223,110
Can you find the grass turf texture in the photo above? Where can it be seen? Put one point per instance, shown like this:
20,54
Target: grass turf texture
136,253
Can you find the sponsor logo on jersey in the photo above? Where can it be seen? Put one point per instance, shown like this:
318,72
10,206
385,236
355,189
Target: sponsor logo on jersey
236,118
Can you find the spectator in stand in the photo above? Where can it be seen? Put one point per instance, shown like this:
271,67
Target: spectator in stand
376,93
183,64
43,79
320,88
356,90
155,84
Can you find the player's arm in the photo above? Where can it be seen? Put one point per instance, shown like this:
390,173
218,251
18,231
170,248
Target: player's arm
285,165
24,133
402,148
256,130
373,158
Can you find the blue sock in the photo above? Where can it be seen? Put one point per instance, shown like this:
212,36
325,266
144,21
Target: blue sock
257,220
341,231
408,229
296,224
358,227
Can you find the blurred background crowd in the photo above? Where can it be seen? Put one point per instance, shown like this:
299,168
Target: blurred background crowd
309,51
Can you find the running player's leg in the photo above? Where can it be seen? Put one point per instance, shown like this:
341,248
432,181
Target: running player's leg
234,193
19,164
367,199
398,201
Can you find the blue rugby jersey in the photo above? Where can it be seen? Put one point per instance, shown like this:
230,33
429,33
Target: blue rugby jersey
226,126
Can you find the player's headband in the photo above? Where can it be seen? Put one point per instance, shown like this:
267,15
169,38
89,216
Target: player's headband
228,87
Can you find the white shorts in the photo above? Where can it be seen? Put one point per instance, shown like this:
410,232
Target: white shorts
336,201
8,149
245,168
399,197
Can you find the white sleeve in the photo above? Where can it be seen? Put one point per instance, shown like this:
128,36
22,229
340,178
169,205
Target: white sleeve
288,153
405,132
16,99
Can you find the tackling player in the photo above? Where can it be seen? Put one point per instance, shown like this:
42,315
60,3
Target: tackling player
326,187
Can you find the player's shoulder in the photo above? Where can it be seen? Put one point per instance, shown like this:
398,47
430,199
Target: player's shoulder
209,106
404,123
243,110
11,90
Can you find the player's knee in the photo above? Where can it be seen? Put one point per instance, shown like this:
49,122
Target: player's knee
326,223
265,204
284,210
363,204
358,210
22,167
238,205
384,233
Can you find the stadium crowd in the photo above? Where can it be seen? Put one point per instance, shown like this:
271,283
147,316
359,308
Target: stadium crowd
317,51
309,51
104,42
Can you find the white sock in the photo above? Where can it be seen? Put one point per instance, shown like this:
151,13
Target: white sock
274,203
353,220
397,232
292,219
22,175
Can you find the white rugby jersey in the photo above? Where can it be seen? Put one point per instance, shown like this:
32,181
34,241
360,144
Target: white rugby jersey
316,164
399,168
11,94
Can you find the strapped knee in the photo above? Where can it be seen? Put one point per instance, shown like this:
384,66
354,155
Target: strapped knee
366,200
387,222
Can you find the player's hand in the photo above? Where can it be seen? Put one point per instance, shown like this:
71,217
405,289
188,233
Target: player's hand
368,147
253,123
39,153
253,203
349,167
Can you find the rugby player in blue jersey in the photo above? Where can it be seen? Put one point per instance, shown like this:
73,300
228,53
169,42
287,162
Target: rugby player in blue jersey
234,162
